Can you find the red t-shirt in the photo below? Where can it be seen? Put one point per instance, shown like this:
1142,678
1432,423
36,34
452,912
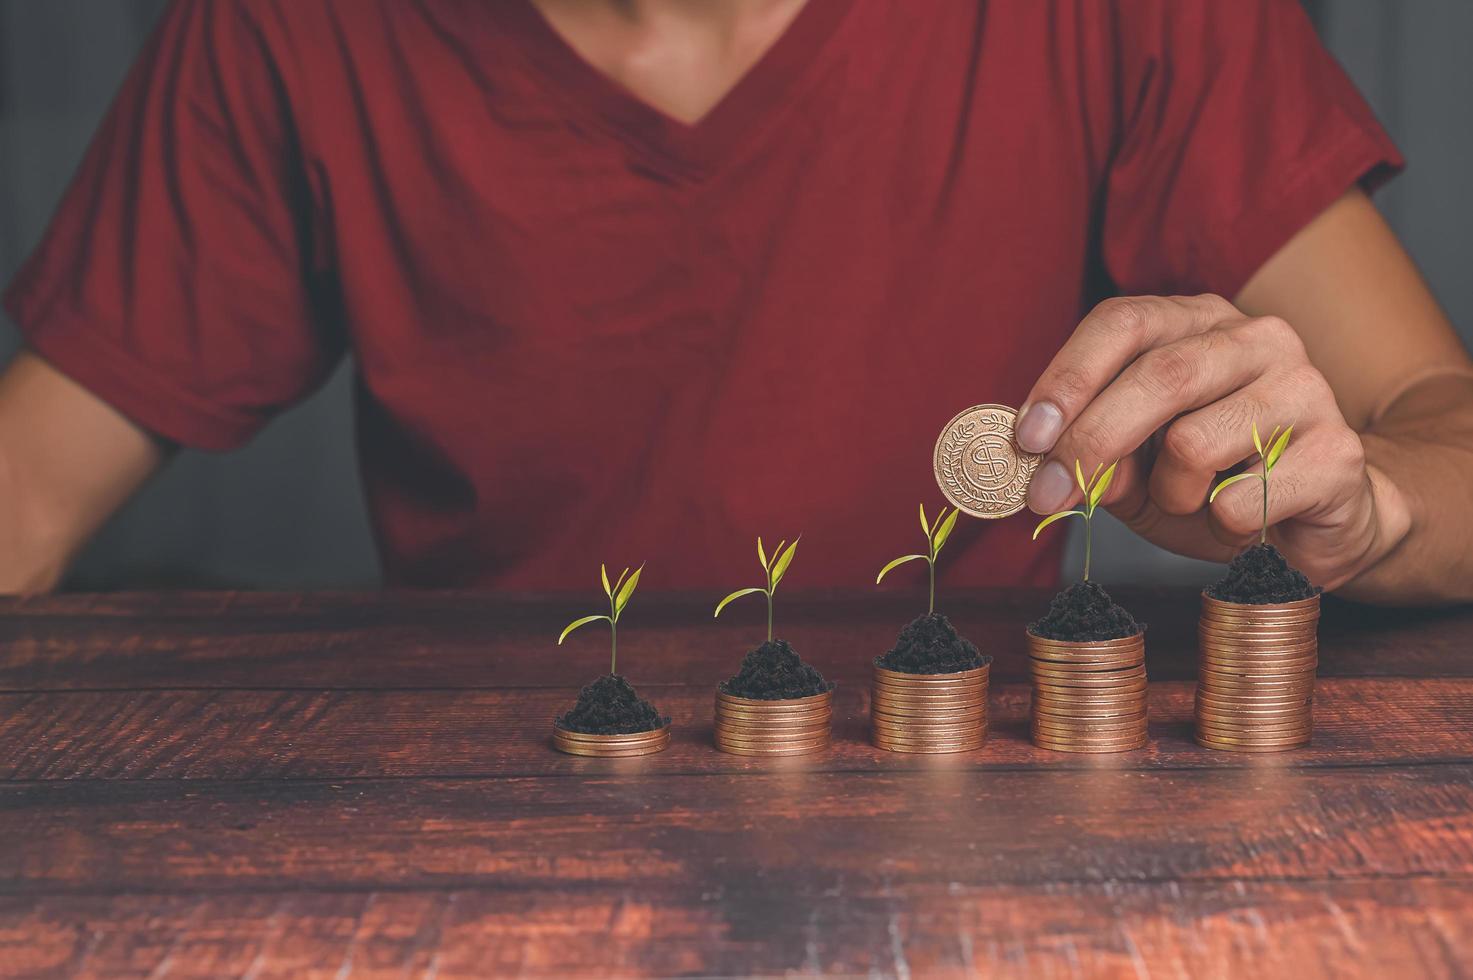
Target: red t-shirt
585,332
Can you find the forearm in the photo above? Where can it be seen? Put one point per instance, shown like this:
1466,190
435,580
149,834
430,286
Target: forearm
1422,444
67,462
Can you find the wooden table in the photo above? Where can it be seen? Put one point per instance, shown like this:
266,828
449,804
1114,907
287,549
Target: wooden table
263,785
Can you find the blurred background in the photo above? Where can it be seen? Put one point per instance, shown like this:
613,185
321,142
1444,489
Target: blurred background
287,512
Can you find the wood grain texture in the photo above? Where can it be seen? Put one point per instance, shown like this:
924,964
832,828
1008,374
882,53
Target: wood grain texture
335,734
1228,929
266,785
235,640
798,831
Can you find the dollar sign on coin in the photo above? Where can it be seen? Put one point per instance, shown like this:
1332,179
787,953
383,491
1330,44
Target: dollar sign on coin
979,466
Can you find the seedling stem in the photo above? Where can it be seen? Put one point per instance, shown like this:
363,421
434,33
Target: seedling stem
619,594
1094,491
1269,451
936,534
775,568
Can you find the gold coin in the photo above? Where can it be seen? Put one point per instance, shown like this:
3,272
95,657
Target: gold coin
1238,719
768,718
1210,671
908,738
1085,670
652,735
1087,677
1253,699
1263,614
1136,640
611,746
1264,670
978,464
1090,694
931,750
916,725
734,750
1209,675
1229,725
1046,701
1214,740
977,675
1207,742
773,746
934,731
929,747
1073,713
1205,709
1099,748
929,701
771,734
1256,644
928,697
1055,730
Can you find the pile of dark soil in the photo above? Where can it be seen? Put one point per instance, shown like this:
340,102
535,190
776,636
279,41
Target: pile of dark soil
931,645
1262,575
773,672
1085,611
611,706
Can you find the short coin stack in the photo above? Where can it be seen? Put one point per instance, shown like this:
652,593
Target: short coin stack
1255,674
795,726
611,746
1088,696
929,712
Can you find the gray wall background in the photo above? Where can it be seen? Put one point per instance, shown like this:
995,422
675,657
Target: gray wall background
287,512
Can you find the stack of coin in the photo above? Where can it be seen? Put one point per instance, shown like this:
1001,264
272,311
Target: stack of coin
1255,674
1088,696
611,746
797,726
929,712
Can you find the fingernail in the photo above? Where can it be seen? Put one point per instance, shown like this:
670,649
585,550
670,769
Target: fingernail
1039,427
1050,488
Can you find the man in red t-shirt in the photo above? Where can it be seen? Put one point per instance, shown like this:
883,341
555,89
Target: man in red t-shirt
634,281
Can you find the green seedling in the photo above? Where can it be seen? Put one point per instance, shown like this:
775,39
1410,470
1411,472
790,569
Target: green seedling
1094,491
619,594
1269,452
775,568
936,535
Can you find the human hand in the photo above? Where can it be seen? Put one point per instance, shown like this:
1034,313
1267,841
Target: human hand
1171,386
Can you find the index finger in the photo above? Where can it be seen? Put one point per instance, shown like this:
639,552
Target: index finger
1113,334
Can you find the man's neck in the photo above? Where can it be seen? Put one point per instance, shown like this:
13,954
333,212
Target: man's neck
679,56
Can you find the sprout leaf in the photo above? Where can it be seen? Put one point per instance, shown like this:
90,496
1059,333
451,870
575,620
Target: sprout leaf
1079,477
622,599
1277,449
1055,517
1097,492
1229,482
1257,442
925,525
781,562
735,595
899,561
943,531
603,573
580,622
761,555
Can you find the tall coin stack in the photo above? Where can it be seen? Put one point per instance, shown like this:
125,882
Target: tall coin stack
795,726
1088,696
1255,674
929,712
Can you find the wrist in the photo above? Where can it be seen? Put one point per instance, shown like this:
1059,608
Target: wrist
1388,572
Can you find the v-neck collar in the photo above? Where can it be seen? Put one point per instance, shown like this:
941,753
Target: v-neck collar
686,149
